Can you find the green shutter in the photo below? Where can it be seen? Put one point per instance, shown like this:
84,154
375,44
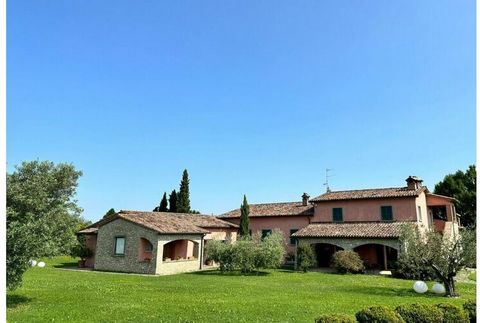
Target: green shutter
292,239
387,213
337,214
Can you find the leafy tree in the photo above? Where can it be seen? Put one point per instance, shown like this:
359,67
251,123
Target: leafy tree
42,215
109,213
81,250
172,201
305,257
446,256
462,186
244,220
183,202
163,207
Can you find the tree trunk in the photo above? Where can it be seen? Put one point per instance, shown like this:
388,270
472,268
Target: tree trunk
450,287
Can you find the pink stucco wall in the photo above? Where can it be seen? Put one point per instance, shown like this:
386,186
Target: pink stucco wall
404,209
283,223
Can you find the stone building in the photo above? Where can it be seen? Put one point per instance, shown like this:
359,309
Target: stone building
153,242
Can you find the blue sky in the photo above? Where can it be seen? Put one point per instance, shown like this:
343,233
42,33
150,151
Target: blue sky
252,97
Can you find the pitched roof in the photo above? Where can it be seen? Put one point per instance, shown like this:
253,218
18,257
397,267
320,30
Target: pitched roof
352,230
164,222
273,209
369,194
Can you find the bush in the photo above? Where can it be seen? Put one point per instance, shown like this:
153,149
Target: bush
305,257
453,313
80,249
347,262
470,308
248,254
335,318
420,313
378,314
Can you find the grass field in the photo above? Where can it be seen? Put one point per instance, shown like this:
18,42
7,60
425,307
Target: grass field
61,295
473,276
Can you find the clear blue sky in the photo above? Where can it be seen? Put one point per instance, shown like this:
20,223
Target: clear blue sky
252,97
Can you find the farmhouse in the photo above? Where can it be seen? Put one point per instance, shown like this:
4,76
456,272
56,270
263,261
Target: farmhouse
153,242
367,221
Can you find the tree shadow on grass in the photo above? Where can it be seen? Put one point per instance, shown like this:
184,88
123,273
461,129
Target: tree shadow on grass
16,300
216,272
70,265
387,292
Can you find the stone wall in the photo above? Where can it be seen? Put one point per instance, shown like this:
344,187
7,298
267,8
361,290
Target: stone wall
105,258
350,243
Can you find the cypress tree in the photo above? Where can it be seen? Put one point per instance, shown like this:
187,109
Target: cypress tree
244,221
163,203
172,201
183,203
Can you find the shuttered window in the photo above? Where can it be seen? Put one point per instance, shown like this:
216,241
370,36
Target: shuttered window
337,214
387,213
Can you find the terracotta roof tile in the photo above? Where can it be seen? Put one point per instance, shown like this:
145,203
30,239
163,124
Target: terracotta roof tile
273,209
369,194
165,222
352,230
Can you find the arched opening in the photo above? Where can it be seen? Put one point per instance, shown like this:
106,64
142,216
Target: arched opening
324,253
377,256
145,250
180,250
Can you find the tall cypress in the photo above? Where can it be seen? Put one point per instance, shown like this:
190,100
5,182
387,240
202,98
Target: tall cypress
244,220
172,201
183,203
163,203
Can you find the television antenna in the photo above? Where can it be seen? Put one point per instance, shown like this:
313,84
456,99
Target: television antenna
327,176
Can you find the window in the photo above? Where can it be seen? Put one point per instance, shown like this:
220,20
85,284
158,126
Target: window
120,246
439,212
148,247
292,239
419,215
266,232
337,214
387,213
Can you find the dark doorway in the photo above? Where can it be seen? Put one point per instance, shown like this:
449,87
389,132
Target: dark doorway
324,253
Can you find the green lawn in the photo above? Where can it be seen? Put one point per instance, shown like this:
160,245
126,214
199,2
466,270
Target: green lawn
60,295
473,276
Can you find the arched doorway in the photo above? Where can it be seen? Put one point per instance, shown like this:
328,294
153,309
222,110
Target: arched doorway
324,253
377,256
180,250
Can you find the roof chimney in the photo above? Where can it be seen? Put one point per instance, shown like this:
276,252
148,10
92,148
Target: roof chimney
305,198
413,182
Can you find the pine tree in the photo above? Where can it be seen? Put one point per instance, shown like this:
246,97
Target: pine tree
244,221
172,201
164,203
183,203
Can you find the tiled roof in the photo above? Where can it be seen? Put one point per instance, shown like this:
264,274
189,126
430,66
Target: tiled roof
165,222
369,194
273,209
352,230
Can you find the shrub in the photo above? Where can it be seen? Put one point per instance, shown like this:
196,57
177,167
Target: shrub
420,313
378,314
453,313
335,318
470,308
305,257
347,262
80,249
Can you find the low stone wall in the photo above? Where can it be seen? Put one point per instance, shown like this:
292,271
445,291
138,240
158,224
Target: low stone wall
178,266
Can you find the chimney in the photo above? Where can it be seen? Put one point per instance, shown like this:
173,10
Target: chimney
305,198
413,182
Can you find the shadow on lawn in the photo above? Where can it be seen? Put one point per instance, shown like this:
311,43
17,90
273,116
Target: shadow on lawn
66,265
16,300
216,272
387,292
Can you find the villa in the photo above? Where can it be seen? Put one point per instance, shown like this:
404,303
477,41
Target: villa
367,221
